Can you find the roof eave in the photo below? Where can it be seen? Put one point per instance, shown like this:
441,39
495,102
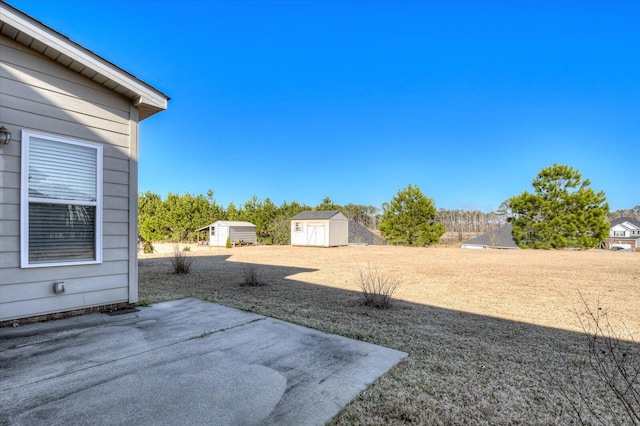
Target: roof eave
26,30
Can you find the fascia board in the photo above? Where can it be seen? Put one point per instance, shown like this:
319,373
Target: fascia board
146,94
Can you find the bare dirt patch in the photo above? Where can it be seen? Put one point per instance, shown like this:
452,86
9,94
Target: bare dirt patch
493,336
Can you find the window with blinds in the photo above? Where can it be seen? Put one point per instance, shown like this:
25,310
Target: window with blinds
61,201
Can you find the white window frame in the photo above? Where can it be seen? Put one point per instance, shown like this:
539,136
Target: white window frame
25,199
298,227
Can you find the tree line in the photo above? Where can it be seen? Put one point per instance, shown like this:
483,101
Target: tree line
177,217
633,213
562,211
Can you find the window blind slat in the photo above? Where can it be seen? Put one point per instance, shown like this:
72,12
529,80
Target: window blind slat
59,232
62,171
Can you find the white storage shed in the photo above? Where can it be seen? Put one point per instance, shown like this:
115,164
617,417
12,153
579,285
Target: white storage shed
329,228
240,233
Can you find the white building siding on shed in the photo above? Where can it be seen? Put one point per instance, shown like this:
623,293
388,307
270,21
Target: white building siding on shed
220,230
298,235
247,234
320,232
339,232
220,237
41,95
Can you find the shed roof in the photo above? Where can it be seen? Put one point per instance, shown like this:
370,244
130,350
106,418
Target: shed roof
227,223
32,33
316,214
498,238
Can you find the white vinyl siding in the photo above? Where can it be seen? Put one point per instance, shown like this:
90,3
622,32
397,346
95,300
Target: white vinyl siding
44,97
54,87
61,208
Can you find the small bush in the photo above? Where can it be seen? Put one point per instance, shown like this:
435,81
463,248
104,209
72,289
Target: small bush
186,248
376,287
252,276
228,243
180,261
147,247
615,360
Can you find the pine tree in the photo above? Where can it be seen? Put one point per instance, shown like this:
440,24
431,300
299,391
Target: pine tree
563,211
409,219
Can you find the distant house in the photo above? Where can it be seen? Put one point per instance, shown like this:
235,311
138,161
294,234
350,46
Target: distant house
239,233
69,175
328,228
624,234
501,238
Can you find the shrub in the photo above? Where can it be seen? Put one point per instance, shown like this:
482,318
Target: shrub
186,248
252,276
376,287
228,243
147,247
614,359
180,261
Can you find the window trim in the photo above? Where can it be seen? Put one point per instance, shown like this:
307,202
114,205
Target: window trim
25,200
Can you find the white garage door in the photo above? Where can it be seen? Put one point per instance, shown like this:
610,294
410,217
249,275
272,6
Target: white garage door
315,234
622,246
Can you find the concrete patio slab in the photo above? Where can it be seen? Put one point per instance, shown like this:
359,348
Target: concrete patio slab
181,362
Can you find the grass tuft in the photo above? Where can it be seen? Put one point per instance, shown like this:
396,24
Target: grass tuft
376,287
180,261
252,276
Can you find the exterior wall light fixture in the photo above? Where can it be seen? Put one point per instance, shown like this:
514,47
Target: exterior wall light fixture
5,136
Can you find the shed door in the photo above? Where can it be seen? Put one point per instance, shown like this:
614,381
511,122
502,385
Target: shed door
315,234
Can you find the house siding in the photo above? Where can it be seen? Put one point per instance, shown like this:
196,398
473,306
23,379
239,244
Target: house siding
39,94
630,228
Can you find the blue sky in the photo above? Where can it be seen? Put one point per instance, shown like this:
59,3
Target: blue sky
354,100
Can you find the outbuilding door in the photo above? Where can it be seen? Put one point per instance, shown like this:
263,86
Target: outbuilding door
315,234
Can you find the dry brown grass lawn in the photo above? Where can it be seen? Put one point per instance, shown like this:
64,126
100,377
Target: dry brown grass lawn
493,336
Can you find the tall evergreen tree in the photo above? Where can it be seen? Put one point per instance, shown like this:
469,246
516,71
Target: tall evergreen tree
409,219
563,211
151,225
327,204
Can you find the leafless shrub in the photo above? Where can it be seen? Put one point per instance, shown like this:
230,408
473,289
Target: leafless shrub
252,276
180,261
614,359
376,287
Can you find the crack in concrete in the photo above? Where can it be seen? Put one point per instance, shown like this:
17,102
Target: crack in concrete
222,330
